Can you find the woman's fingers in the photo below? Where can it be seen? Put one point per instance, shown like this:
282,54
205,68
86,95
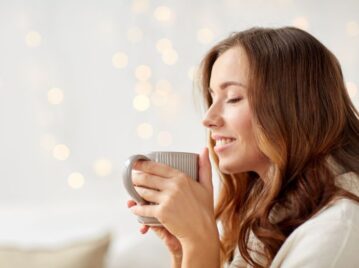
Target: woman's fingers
149,195
170,240
144,210
160,231
149,181
144,229
155,168
131,203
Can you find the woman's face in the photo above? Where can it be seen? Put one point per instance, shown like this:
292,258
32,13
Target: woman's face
229,117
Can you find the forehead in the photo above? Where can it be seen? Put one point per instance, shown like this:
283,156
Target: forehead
231,65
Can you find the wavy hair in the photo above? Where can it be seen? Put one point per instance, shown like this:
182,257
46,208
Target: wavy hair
302,115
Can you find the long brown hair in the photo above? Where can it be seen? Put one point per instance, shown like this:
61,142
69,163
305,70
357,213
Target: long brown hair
302,115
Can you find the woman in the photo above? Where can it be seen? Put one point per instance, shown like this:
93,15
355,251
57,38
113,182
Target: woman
284,136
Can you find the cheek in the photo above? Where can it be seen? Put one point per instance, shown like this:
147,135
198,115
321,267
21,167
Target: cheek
242,124
244,131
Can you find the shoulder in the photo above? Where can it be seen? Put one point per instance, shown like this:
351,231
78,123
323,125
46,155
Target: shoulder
329,239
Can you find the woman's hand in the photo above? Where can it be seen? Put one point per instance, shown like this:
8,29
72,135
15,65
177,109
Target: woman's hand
182,205
172,243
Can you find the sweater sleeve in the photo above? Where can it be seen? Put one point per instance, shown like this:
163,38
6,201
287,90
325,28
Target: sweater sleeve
321,244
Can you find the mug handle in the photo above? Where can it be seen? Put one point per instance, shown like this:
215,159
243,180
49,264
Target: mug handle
127,177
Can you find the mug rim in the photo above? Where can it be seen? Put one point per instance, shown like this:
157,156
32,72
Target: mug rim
175,152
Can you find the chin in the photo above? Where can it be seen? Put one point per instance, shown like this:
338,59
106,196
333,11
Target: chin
227,168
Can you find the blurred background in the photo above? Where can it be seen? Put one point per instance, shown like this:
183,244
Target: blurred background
85,84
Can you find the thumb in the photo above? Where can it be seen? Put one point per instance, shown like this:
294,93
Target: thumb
205,171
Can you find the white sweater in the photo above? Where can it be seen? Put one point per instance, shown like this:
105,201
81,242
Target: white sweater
328,239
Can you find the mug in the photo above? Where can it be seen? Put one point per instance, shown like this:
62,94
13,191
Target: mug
183,161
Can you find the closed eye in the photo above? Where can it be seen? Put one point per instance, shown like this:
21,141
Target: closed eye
234,100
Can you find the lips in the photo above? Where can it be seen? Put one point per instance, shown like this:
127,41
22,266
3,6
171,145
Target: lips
222,142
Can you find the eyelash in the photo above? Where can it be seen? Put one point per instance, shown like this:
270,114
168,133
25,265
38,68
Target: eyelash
234,100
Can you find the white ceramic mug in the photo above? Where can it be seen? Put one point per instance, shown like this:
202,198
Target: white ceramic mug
183,161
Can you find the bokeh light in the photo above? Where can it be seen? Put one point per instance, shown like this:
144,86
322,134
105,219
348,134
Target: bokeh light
120,60
134,34
141,103
48,142
162,93
169,56
163,84
205,35
163,13
192,72
33,39
145,131
55,96
143,72
45,118
61,152
282,3
102,167
352,89
140,6
352,28
143,87
163,44
301,23
76,180
164,138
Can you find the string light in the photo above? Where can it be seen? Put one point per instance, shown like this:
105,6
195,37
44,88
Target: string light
163,44
120,60
134,34
169,56
172,106
352,28
143,87
163,85
205,35
33,39
192,72
61,152
145,131
48,142
163,13
55,96
143,72
141,103
76,180
162,93
102,167
139,6
164,138
352,89
301,23
44,119
283,3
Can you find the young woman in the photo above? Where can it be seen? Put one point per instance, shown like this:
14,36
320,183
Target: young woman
284,136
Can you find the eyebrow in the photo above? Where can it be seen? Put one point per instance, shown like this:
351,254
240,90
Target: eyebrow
227,84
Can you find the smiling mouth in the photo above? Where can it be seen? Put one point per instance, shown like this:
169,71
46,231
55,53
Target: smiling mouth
222,142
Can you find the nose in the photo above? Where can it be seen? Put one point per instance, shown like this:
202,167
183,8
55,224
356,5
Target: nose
213,117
